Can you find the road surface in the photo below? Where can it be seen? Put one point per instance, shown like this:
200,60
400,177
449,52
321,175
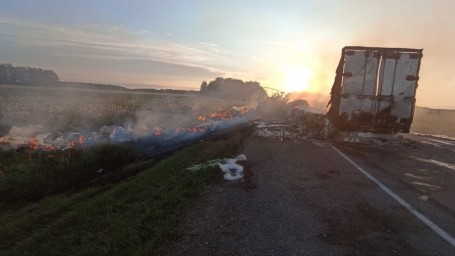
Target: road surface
305,198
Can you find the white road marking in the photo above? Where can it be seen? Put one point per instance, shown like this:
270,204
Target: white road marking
420,216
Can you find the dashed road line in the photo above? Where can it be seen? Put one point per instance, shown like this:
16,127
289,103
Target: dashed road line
443,234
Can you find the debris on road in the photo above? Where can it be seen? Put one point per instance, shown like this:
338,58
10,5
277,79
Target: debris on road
232,170
301,124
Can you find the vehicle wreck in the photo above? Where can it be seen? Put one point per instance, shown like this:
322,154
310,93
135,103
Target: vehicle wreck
374,90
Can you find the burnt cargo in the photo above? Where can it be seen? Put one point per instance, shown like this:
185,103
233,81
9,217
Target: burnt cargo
374,89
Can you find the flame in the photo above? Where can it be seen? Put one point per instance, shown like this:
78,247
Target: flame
242,109
76,142
158,132
202,118
4,140
50,148
81,139
221,115
33,143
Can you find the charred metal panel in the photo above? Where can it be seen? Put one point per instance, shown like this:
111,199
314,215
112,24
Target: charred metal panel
375,89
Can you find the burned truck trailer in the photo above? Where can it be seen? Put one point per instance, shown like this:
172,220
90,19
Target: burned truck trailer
374,89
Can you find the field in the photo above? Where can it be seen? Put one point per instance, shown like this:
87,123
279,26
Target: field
61,109
434,121
107,198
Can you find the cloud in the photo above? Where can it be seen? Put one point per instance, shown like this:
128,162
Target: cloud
95,44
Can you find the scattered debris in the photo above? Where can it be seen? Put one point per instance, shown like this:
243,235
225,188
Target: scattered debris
232,170
211,163
436,162
300,125
424,198
426,185
369,137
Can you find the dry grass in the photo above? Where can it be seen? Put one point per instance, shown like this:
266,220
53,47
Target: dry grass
430,121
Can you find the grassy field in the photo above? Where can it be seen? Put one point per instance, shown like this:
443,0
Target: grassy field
434,121
132,217
107,199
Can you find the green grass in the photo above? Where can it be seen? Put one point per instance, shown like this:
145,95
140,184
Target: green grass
29,176
131,218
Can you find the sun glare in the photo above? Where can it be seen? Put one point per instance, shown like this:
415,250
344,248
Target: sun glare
296,78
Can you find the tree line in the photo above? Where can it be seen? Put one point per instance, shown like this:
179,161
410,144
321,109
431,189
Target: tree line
10,74
233,88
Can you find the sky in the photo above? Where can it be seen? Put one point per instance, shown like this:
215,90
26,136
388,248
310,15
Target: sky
286,45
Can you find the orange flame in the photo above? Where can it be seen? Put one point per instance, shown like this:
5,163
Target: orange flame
202,118
4,140
221,115
33,143
158,132
75,143
50,147
81,139
242,109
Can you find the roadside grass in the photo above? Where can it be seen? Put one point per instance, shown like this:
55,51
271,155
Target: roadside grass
29,177
131,218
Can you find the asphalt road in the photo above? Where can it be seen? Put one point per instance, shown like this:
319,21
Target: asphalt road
304,198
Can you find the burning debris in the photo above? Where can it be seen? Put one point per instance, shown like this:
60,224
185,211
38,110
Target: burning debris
147,138
301,123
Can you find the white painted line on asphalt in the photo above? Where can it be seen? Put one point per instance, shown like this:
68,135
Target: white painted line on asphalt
420,216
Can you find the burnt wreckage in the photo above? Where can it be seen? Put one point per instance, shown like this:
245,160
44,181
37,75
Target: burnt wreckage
374,89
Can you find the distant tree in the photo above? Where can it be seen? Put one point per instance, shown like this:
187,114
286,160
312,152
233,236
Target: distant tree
10,74
203,87
233,88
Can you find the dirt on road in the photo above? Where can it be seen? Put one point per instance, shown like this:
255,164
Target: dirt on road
300,198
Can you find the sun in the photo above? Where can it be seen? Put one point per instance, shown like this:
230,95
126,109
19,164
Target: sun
296,78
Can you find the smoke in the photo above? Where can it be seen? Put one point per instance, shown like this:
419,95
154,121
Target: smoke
48,120
147,121
315,100
431,30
